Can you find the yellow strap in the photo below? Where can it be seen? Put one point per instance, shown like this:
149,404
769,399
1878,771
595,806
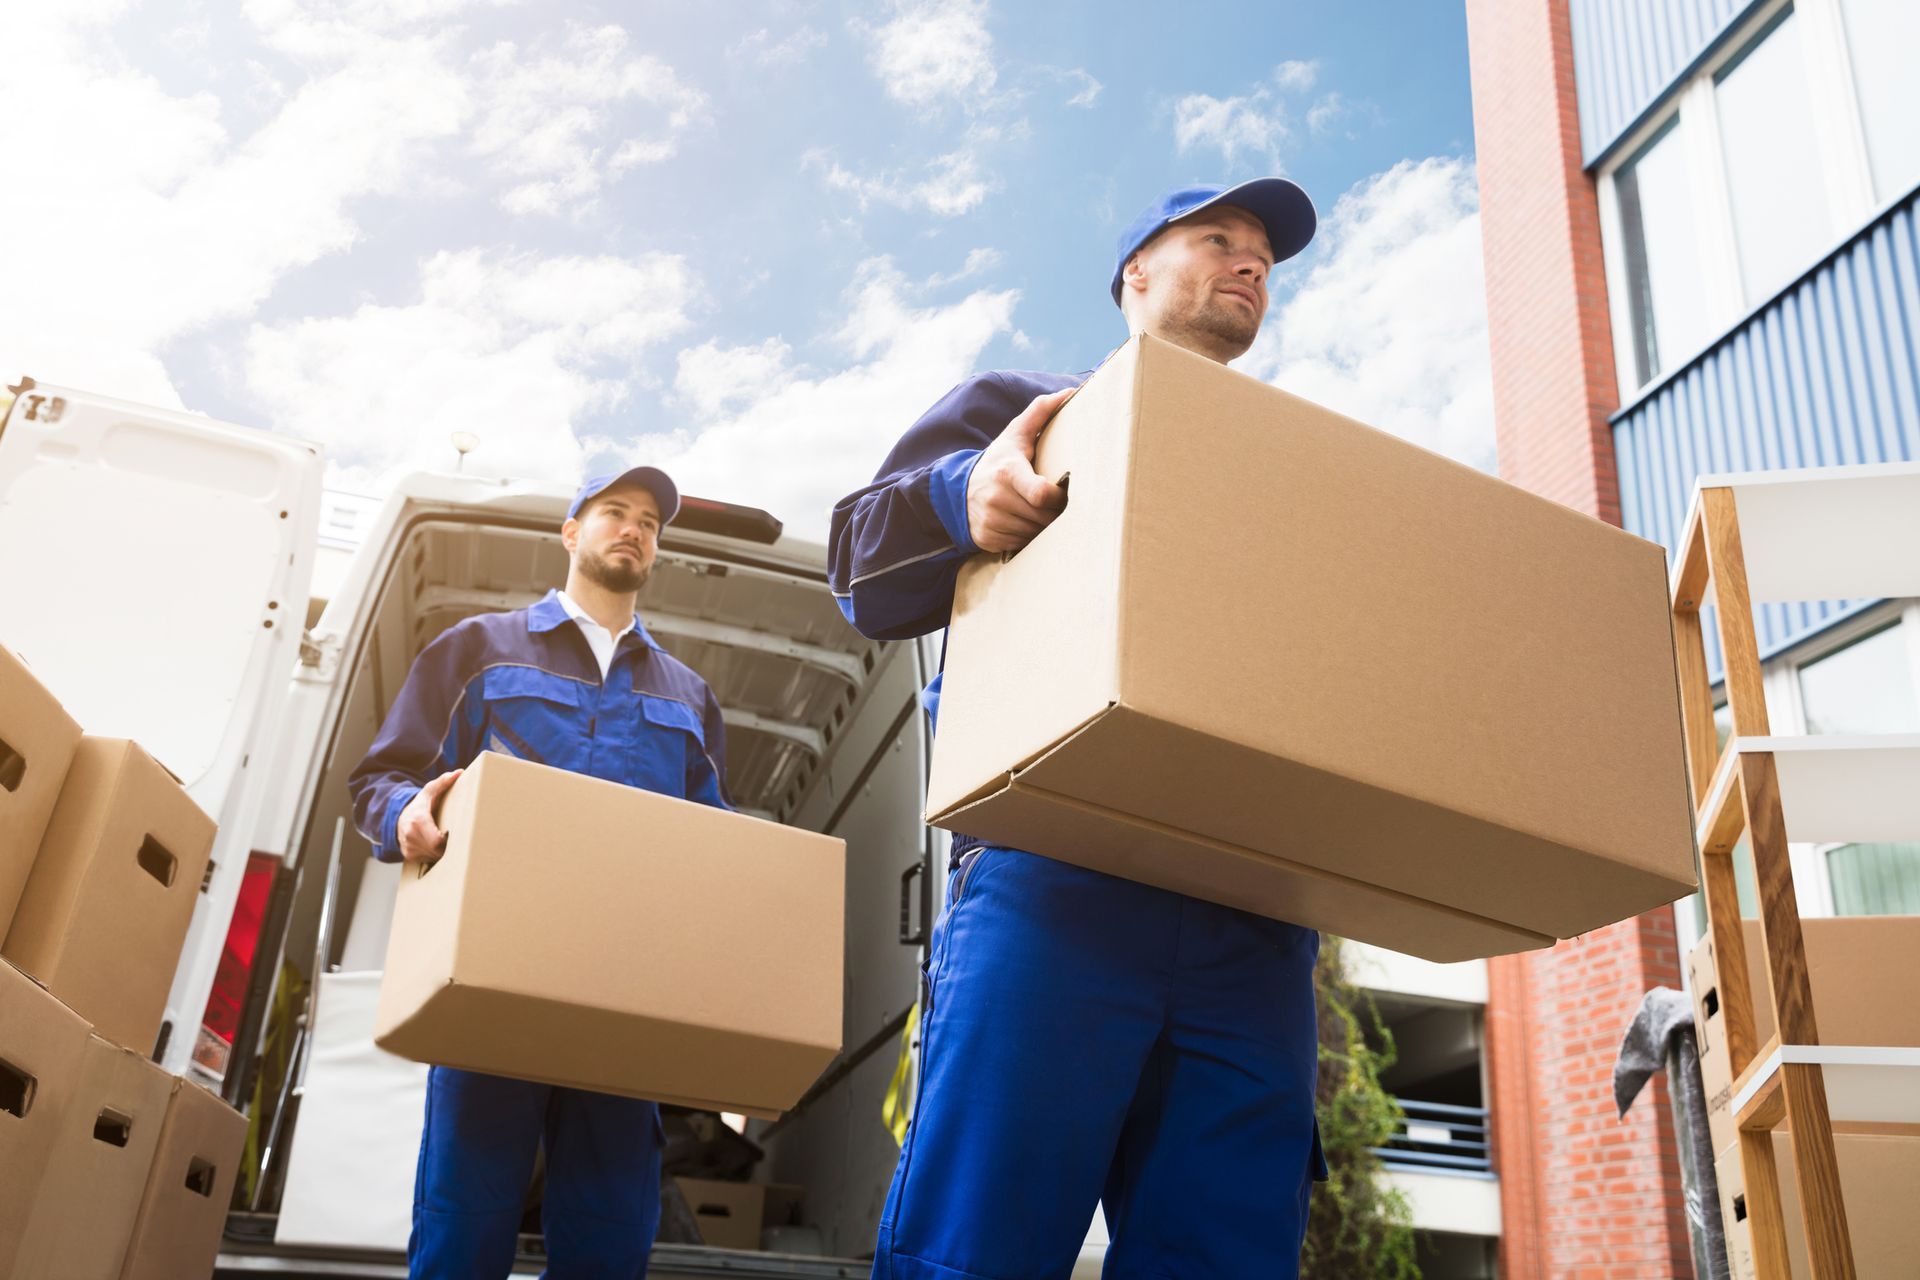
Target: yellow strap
894,1111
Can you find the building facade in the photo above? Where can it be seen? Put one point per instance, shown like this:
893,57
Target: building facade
1702,256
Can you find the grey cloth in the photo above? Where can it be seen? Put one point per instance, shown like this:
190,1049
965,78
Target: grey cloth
1662,1034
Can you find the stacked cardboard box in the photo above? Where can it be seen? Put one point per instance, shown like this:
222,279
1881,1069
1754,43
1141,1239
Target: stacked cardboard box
1274,658
553,941
107,906
1843,955
109,1167
101,857
1879,1173
37,741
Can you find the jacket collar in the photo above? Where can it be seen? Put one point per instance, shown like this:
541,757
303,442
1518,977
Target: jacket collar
547,613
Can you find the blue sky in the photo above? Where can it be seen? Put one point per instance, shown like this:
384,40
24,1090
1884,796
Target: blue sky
749,240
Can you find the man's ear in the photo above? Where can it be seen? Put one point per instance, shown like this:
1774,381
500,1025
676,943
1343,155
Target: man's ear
570,534
1134,274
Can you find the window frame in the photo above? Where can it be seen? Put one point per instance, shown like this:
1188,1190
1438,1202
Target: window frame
1693,113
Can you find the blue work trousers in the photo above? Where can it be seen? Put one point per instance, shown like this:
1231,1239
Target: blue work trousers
602,1204
1089,1040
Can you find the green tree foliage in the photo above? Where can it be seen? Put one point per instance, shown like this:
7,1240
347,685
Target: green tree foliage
1359,1229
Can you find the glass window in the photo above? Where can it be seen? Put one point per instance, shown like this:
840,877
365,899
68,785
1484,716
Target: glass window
1780,219
1666,299
1875,879
1882,36
1866,687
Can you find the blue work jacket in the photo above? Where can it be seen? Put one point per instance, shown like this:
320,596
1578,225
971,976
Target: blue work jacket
895,547
526,683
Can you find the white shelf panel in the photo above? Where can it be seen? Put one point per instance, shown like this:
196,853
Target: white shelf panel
1841,788
1873,1084
1827,533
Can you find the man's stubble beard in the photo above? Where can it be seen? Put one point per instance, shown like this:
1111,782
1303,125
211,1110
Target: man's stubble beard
598,569
1218,325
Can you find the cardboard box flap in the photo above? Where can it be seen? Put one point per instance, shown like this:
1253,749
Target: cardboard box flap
1117,843
1000,781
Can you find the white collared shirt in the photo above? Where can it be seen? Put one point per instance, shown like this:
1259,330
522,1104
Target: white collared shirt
601,640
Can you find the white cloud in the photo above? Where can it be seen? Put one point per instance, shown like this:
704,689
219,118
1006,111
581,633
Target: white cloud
1086,88
1297,76
1254,123
1231,126
1390,327
549,112
760,48
154,221
808,439
934,50
711,376
948,185
516,349
978,263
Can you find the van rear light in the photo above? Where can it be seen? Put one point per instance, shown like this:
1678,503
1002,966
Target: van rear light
214,1045
750,524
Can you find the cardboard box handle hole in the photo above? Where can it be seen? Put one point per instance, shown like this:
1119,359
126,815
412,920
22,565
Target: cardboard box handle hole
1711,1000
16,1090
112,1128
713,1211
13,766
156,861
200,1177
1739,1208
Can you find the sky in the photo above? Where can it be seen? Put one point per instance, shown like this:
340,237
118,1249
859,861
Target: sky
747,240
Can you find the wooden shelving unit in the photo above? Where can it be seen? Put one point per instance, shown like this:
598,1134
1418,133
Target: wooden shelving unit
1766,537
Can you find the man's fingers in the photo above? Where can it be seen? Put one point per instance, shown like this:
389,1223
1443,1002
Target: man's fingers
1034,418
1039,492
439,785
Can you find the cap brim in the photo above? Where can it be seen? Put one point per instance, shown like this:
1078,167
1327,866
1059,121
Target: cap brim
653,480
1282,207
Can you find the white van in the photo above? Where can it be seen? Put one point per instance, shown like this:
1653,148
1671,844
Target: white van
155,570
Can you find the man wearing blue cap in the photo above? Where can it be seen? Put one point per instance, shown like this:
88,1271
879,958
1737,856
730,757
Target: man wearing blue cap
1086,1039
573,681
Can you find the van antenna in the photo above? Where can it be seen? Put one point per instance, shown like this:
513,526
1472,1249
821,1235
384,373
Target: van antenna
464,443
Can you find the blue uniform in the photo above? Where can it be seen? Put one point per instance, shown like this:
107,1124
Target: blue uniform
1086,1039
526,683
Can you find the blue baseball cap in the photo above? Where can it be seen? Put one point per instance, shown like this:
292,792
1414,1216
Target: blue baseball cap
1280,205
652,479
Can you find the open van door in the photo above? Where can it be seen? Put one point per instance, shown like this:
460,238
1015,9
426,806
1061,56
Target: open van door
154,567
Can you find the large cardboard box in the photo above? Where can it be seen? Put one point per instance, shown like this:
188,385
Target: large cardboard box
1275,658
42,1043
183,1209
1879,1177
83,1214
575,933
1849,959
111,895
37,740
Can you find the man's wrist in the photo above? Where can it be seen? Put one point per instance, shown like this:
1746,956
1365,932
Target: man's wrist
947,483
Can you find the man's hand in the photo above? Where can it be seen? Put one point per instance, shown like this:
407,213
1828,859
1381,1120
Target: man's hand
1008,502
421,839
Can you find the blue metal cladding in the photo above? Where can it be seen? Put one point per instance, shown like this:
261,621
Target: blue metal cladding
1826,374
1629,54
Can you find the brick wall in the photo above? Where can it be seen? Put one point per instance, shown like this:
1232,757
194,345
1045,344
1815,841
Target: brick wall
1582,1192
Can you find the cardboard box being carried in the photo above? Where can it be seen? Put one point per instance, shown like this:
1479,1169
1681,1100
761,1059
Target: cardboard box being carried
570,935
42,1043
1844,955
108,905
37,740
1878,1177
83,1213
1274,658
183,1209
